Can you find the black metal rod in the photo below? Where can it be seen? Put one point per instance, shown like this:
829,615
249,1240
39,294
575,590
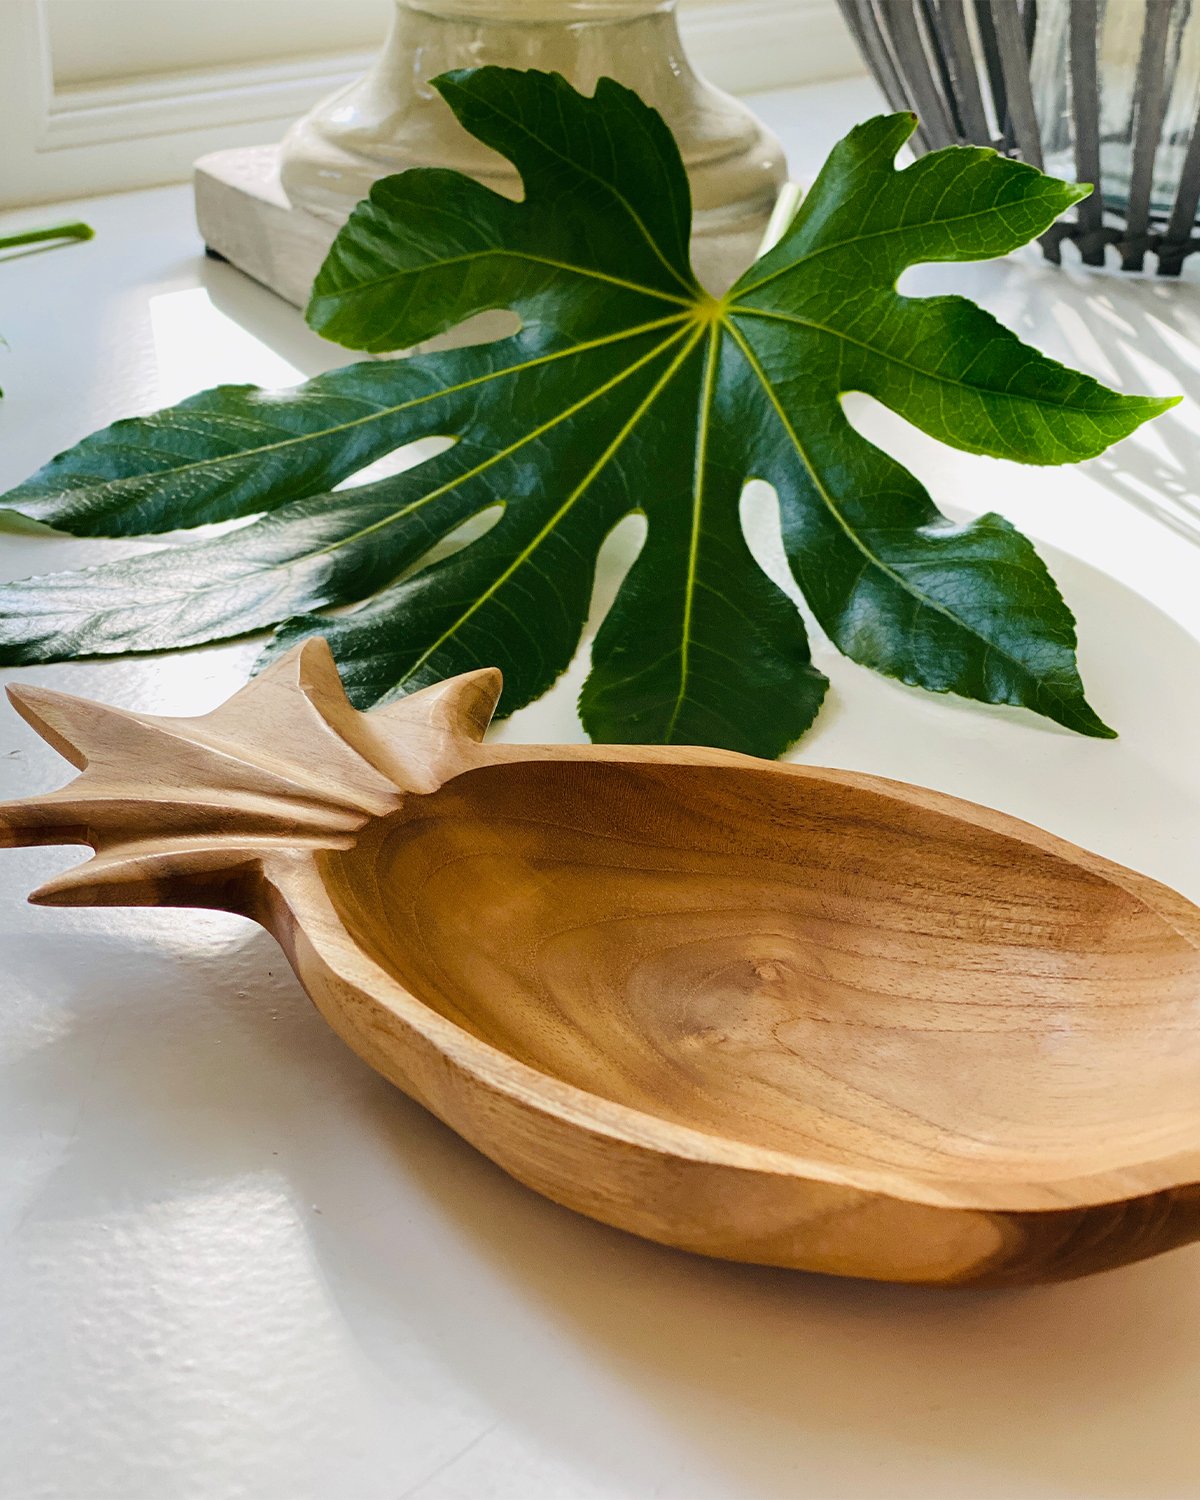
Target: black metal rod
1150,105
1029,24
935,47
994,70
864,25
961,61
1177,237
1085,113
964,65
900,22
1014,60
850,15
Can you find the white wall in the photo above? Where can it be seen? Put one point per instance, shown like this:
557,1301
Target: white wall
102,95
104,41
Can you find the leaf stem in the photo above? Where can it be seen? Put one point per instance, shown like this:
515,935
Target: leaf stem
76,230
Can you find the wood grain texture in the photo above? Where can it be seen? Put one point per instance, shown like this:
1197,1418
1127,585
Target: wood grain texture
766,1012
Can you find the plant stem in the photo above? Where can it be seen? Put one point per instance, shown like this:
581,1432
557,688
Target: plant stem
75,231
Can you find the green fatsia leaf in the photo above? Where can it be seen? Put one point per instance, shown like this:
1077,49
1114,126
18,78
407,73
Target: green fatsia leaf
825,297
604,225
628,388
228,452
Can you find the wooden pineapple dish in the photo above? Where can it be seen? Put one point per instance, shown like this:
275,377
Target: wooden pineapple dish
766,1012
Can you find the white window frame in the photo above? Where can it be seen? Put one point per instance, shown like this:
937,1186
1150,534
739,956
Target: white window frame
66,143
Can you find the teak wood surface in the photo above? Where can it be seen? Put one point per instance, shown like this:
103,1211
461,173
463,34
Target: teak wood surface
765,1012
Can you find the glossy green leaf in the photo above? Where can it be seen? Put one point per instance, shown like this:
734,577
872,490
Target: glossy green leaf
628,388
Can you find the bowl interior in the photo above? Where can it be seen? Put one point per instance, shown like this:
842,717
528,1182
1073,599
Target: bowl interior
791,963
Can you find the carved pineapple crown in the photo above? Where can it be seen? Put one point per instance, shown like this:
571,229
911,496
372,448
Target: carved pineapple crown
287,763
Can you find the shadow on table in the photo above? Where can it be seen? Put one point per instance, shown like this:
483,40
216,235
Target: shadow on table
1137,334
1157,329
765,1375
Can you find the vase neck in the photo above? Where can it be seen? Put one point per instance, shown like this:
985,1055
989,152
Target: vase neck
635,41
393,117
535,12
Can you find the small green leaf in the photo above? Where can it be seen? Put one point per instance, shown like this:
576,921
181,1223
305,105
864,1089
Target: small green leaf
628,388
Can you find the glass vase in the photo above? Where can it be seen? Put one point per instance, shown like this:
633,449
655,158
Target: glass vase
1122,35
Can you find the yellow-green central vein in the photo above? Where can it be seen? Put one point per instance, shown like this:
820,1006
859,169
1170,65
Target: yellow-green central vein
698,469
355,287
564,509
381,413
905,364
872,557
577,166
458,480
858,239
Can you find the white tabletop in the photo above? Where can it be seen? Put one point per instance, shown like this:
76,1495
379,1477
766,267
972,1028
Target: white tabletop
235,1263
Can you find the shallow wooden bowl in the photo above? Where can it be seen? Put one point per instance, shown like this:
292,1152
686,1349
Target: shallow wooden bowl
766,1012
